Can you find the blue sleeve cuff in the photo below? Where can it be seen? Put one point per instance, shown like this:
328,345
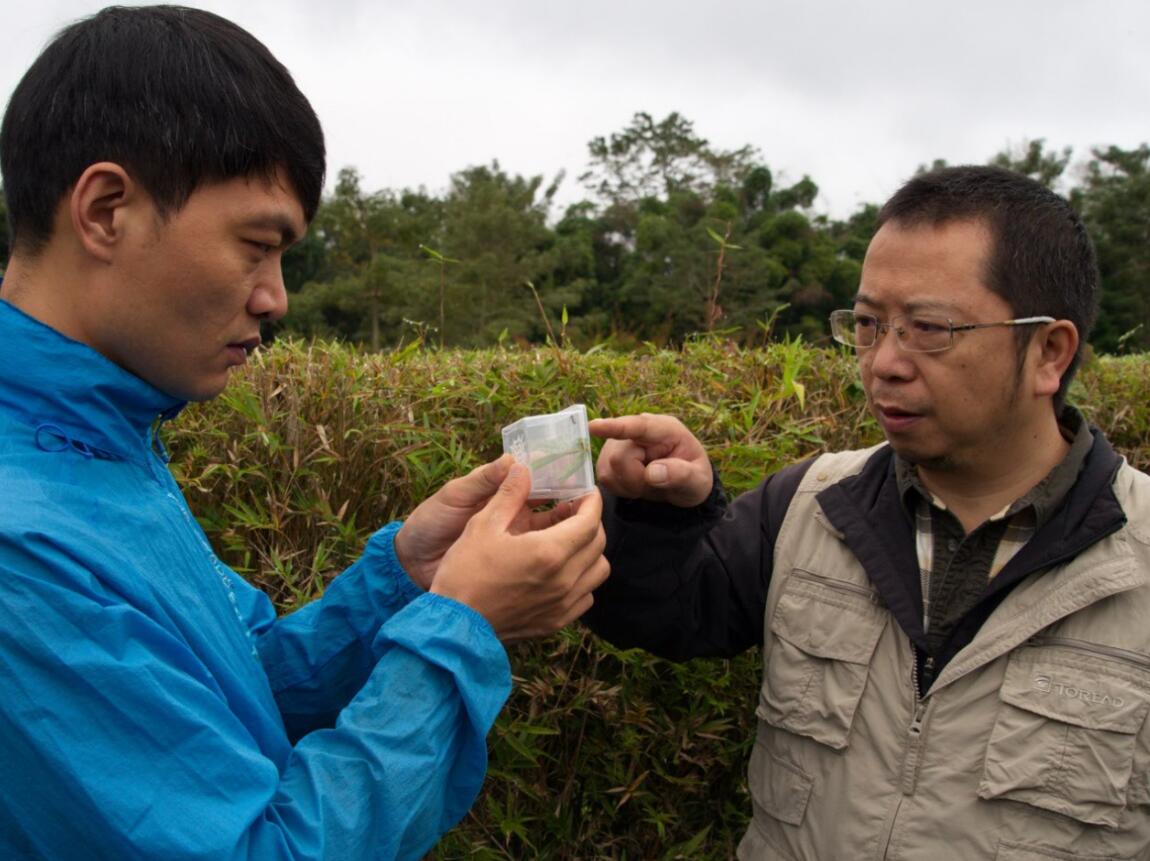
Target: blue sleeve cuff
456,638
379,553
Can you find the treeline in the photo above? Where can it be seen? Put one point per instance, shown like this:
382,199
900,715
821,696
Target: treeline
674,237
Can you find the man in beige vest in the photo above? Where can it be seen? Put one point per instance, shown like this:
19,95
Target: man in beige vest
955,624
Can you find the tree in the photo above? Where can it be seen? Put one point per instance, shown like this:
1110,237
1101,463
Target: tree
658,159
356,275
1031,159
1114,201
353,225
495,224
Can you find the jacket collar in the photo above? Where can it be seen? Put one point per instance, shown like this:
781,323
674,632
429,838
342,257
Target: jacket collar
70,396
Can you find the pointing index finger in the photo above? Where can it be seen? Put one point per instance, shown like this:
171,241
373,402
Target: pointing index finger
637,428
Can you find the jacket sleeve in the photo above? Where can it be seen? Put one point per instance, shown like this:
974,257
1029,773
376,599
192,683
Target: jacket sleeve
318,657
119,744
689,583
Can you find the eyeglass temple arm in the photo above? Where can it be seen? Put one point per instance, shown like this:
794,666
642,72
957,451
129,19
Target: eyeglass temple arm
1022,321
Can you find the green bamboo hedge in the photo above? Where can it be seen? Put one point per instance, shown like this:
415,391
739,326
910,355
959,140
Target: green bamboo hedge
600,753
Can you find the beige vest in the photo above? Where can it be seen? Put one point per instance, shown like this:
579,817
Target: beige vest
1032,744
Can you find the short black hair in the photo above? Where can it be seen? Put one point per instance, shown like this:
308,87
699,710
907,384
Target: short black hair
1042,261
177,96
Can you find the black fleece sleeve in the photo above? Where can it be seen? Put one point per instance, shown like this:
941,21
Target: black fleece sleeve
689,583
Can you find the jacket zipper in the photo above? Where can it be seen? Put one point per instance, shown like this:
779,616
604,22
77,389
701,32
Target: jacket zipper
1125,655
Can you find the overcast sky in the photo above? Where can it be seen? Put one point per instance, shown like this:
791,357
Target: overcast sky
856,95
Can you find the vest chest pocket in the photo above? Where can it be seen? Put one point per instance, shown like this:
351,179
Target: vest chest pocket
1067,724
820,639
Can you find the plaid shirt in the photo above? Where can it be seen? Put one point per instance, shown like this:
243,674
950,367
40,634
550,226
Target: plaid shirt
956,567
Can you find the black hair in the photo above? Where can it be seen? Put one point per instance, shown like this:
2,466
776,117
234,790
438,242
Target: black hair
176,96
1042,261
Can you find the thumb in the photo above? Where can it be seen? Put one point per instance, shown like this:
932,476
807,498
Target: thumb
478,485
679,480
510,498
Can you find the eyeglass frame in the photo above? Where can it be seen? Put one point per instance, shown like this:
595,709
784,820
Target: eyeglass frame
881,327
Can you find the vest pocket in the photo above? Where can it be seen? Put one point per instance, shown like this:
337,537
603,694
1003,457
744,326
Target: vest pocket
821,637
779,789
1065,733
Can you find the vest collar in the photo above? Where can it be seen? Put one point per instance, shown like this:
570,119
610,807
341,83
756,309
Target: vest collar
867,509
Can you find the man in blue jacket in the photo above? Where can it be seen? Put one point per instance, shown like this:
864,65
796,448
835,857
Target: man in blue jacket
157,162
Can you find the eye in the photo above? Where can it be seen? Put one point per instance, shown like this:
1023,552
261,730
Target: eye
928,325
261,247
866,321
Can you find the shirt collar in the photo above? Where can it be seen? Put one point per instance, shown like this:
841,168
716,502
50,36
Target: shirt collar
66,391
1044,497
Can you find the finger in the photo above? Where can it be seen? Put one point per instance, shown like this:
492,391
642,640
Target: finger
576,610
551,622
580,561
578,502
475,488
510,499
645,429
621,468
592,577
622,427
606,428
543,519
683,482
580,529
533,519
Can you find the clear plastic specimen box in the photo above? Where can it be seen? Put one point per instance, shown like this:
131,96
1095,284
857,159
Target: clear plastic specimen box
557,449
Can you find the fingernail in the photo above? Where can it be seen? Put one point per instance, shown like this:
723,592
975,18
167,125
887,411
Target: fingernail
657,473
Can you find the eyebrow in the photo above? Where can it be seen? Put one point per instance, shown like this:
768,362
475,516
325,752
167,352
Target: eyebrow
278,223
930,305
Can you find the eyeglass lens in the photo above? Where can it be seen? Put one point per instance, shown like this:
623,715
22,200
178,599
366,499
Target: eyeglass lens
918,332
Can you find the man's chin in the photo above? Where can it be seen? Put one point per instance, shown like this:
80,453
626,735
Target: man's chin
932,461
197,391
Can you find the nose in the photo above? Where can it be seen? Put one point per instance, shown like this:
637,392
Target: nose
886,359
268,300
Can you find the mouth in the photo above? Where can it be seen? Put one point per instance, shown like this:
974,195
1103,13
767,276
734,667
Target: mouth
238,351
248,346
894,418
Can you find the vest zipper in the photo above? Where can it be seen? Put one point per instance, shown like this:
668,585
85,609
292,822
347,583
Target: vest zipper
1125,655
913,751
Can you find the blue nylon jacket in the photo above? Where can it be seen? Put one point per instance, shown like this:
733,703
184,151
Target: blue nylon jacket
152,705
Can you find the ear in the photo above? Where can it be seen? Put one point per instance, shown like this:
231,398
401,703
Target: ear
98,205
1055,346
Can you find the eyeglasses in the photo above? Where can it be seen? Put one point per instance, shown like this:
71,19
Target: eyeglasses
917,333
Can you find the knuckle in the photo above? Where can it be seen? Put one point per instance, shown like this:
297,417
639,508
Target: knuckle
551,557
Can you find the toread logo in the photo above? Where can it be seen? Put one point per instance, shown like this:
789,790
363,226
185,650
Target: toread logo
1049,685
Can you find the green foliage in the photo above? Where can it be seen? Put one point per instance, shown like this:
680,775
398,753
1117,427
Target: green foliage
600,753
641,263
1031,159
660,159
1115,204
